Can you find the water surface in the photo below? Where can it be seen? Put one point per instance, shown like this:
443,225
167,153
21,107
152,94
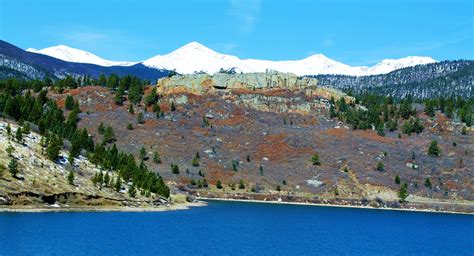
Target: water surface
238,228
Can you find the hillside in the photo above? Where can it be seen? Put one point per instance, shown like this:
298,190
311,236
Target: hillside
42,184
251,141
266,136
20,63
446,78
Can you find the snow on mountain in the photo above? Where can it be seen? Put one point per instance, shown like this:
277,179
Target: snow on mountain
70,54
195,57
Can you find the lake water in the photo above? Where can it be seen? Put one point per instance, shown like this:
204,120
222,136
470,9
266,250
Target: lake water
237,228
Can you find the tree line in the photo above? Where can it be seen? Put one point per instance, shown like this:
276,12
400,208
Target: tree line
19,101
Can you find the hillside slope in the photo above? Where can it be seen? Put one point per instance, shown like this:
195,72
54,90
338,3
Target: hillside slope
446,78
39,66
43,184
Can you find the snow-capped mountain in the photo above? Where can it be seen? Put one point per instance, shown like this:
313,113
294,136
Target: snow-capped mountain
70,54
195,57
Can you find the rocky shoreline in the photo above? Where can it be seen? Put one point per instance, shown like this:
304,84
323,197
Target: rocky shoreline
57,208
435,207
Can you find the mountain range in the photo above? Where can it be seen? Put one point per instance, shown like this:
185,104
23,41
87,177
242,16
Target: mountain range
195,57
420,77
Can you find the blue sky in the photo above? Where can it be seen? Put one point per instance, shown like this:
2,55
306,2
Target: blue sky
354,32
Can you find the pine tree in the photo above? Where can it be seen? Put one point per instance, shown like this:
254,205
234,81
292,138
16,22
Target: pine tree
9,130
173,106
428,183
106,179
195,162
174,169
101,128
13,167
19,135
69,104
380,167
156,158
54,146
403,192
102,80
219,184
26,128
315,159
142,153
119,95
434,149
70,178
118,184
109,135
397,179
241,184
140,118
132,191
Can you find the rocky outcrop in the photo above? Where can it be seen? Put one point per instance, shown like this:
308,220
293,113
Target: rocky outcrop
269,91
202,83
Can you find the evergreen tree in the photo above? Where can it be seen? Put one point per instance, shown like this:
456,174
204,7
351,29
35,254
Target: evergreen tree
13,167
315,159
151,98
112,81
142,153
140,118
102,80
109,135
397,179
70,178
241,184
403,192
129,126
69,104
132,191
9,131
119,95
195,162
26,128
434,149
106,179
101,128
219,184
19,135
205,121
118,184
173,106
54,146
428,183
130,109
429,108
174,169
156,158
380,167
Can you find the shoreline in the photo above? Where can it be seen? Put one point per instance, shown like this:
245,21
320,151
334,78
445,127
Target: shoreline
333,205
161,208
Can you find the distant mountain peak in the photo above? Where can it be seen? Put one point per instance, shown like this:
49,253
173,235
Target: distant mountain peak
70,54
194,56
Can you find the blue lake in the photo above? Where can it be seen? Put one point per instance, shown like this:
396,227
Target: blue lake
237,228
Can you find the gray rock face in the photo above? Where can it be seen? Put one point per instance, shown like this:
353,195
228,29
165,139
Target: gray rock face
200,83
255,90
